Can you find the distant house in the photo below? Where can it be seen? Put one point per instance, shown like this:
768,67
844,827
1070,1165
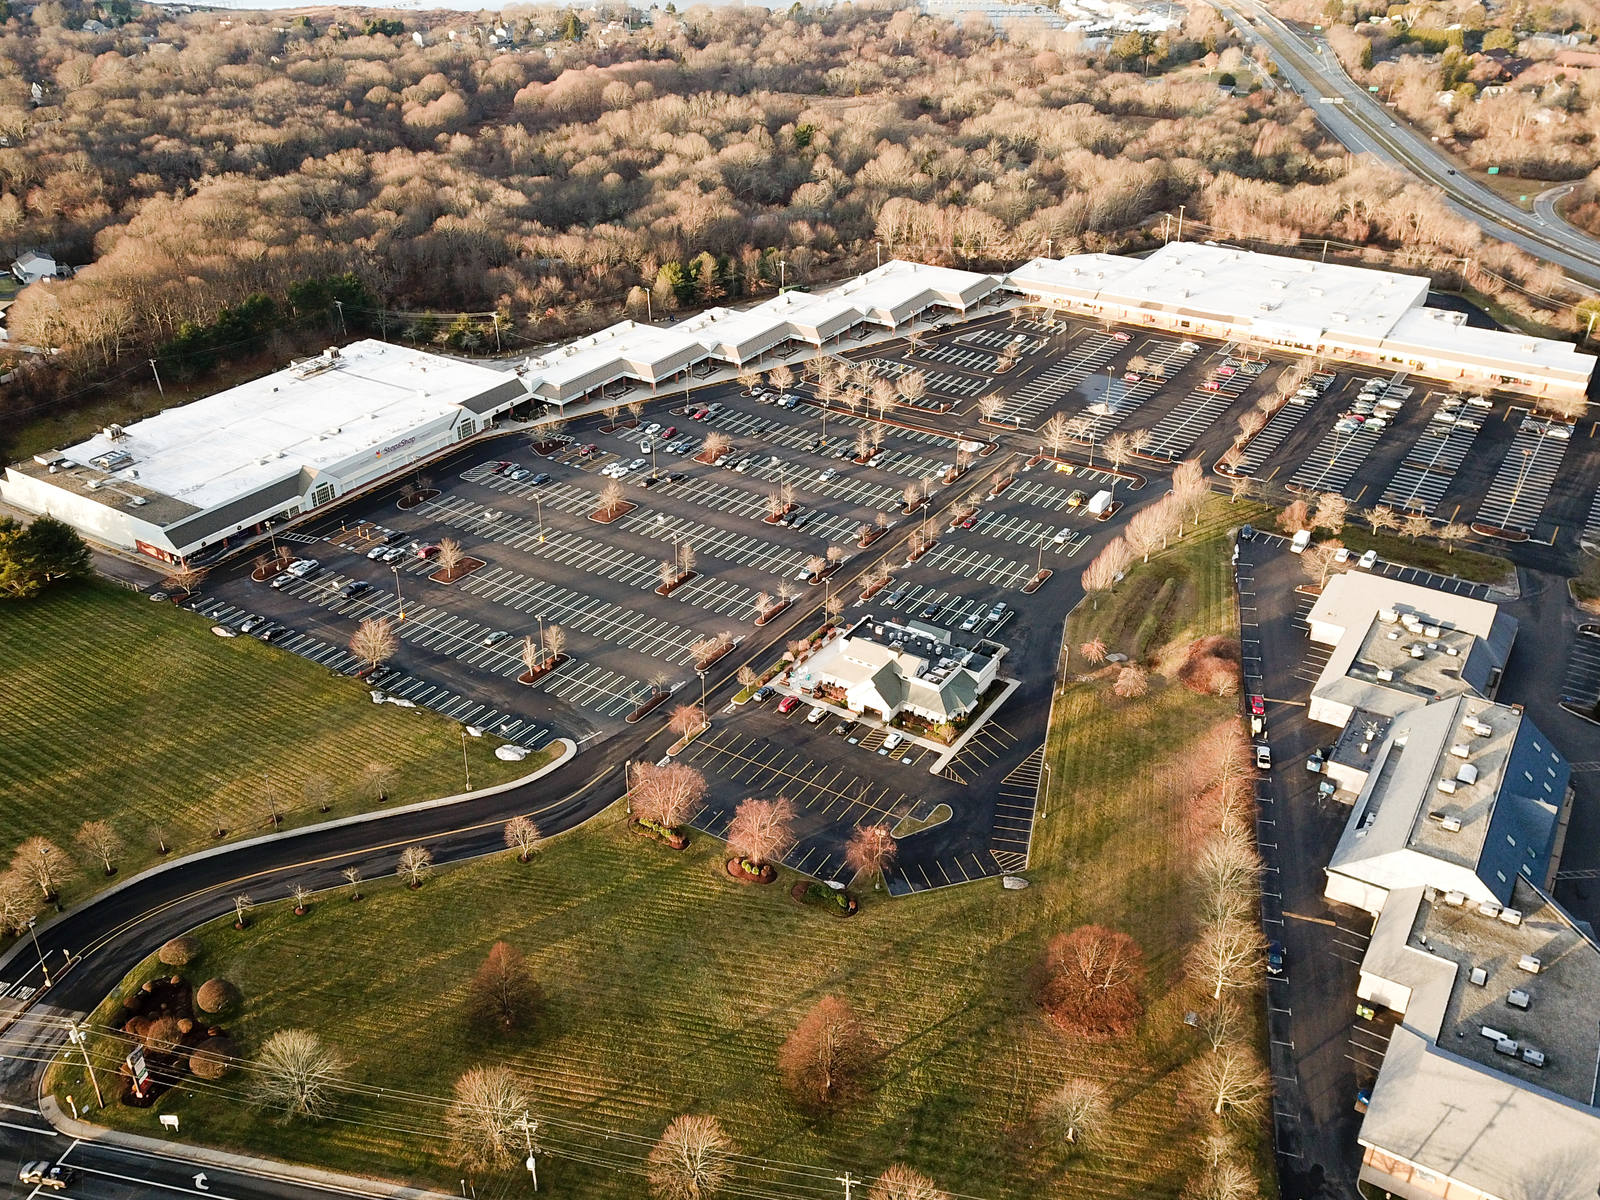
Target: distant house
32,266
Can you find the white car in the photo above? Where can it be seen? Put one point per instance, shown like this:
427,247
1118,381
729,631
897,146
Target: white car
1480,402
826,474
1560,432
816,714
1342,554
652,429
1263,758
1368,560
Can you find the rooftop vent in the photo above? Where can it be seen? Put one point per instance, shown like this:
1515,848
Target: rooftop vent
1455,899
1493,1034
1385,674
1508,1047
1488,909
1534,1058
1529,963
1477,728
1467,774
1461,750
1450,824
1447,786
138,501
1388,616
1430,631
1415,650
1511,916
1479,977
1518,998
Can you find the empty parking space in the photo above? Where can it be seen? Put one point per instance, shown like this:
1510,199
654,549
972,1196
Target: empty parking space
1581,688
1333,464
1516,499
951,386
1030,533
1273,434
1172,436
980,565
1028,405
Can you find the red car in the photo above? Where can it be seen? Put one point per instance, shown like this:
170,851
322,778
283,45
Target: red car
1122,335
427,551
669,433
1211,385
788,704
1258,706
970,522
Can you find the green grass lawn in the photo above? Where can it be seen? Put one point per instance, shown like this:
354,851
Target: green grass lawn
134,712
669,988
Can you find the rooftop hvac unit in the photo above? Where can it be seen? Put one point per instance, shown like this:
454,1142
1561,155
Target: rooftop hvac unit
1478,728
1529,963
50,458
1467,774
1508,1047
1511,916
1432,631
1488,909
1451,824
114,432
1518,998
1534,1058
139,501
1461,750
1493,1034
1447,786
1479,977
1455,899
1393,635
1385,674
1388,616
1415,650
94,485
1451,651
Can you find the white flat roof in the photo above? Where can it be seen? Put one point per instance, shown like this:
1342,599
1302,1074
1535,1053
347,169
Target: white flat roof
1435,329
213,450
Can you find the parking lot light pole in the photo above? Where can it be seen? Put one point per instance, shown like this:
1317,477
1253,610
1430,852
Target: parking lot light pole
467,769
43,966
538,508
399,600
1049,778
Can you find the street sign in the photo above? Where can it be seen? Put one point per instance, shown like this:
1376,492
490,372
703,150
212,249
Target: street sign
1494,170
136,1065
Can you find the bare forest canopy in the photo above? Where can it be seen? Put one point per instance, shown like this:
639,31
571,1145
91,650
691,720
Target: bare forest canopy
226,177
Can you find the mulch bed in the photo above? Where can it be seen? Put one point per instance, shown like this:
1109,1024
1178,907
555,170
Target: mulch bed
871,537
1116,507
548,448
708,461
1496,531
531,677
648,707
716,658
874,590
666,589
262,574
830,569
1001,486
599,517
988,450
735,871
630,423
771,613
407,503
673,840
919,554
461,570
770,519
1037,582
164,999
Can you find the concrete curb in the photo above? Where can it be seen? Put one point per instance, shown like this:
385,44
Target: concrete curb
571,749
222,1160
955,747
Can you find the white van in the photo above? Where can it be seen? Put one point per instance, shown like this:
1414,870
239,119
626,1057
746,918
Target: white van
1300,542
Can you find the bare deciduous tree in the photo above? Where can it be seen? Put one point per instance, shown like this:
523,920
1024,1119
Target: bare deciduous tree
374,641
503,990
1381,518
1239,488
297,1075
900,1182
450,555
913,386
827,1055
716,444
1190,489
1054,432
484,1119
1295,517
1416,525
352,879
1331,512
762,830
41,862
1452,533
1319,559
301,895
1226,955
1093,651
1228,870
184,578
686,719
318,792
667,795
242,904
376,780
611,498
101,843
555,642
692,1160
531,654
1106,568
415,865
1076,1109
871,851
1132,682
1230,1079
523,836
18,903
989,407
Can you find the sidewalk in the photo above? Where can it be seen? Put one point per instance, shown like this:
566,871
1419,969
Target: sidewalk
222,1160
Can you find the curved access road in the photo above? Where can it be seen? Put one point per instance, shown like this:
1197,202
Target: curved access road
1357,119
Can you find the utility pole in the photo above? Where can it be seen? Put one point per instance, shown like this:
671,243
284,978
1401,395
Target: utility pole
848,1182
339,304
75,1036
43,966
157,374
464,765
532,1164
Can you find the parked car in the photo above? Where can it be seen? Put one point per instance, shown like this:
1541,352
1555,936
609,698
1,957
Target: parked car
890,743
1275,958
816,714
355,588
1121,335
1368,560
427,550
788,704
1258,706
761,695
495,637
1263,757
970,621
302,568
997,610
670,433
541,477
42,1174
377,552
